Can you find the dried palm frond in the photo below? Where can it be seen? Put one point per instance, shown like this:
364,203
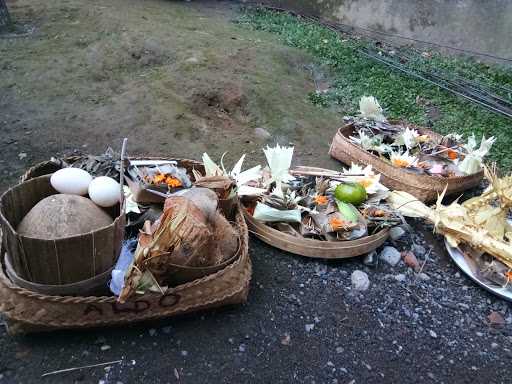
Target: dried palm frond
481,226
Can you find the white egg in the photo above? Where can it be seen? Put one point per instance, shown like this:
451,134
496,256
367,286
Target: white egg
73,181
104,191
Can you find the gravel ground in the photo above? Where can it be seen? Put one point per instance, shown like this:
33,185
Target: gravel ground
303,323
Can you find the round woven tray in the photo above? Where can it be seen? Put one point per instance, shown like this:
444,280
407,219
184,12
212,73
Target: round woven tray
317,249
26,311
425,187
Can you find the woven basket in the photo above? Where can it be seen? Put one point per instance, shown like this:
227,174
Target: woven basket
26,311
425,187
317,249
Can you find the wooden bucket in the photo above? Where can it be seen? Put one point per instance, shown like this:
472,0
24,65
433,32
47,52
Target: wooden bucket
425,187
95,252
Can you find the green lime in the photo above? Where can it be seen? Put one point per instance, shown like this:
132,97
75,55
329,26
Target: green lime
352,193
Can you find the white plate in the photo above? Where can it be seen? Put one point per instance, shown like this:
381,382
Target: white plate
458,258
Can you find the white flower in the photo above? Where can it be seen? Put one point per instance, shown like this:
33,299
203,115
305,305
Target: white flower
370,109
473,160
364,141
370,143
403,160
369,180
279,160
409,138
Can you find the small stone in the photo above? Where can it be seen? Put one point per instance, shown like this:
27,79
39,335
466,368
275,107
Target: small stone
262,133
242,347
494,345
423,276
184,353
192,60
371,259
152,332
390,255
309,327
286,340
496,319
360,281
396,233
419,249
400,277
105,347
339,349
432,334
411,261
320,269
22,155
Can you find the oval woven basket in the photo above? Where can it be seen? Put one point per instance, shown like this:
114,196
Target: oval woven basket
317,249
26,311
425,187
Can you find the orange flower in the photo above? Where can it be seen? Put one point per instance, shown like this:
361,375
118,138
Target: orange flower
452,154
321,200
400,163
159,178
365,183
162,178
336,223
173,182
509,275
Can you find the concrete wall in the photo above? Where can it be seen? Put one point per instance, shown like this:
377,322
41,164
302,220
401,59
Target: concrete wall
480,25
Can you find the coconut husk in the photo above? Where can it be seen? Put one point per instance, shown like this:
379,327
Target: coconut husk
222,185
225,239
183,236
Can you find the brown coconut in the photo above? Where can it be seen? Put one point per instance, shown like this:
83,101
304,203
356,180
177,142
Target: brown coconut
59,216
224,241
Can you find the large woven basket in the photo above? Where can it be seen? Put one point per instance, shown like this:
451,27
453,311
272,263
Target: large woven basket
27,311
425,187
317,249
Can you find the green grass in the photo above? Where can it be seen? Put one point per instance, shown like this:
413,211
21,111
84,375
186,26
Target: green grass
400,95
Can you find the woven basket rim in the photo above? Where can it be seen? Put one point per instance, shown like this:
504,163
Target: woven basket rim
425,177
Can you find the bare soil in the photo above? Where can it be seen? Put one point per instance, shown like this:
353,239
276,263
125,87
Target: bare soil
176,78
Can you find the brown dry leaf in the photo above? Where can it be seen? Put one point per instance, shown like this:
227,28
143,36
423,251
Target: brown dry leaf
496,319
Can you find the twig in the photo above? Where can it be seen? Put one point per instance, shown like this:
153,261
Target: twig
78,368
425,261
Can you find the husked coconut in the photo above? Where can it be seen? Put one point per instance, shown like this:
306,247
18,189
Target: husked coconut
225,239
62,215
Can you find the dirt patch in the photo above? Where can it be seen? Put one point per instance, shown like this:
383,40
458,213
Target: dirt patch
224,106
